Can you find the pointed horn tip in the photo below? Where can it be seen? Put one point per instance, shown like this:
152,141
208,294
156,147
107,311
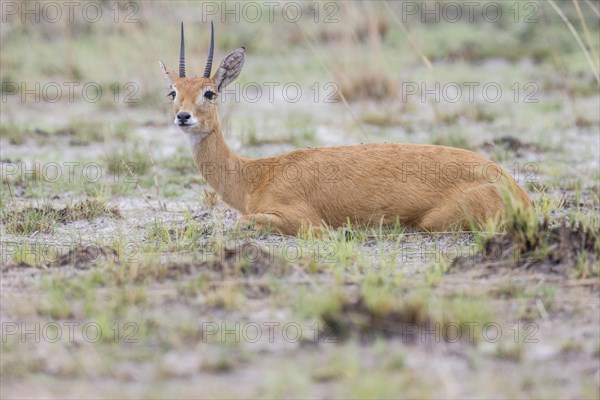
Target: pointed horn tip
208,67
182,54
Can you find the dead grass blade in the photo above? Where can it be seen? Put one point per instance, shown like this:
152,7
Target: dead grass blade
585,51
588,37
414,44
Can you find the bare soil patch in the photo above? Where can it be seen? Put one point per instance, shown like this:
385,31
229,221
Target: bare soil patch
557,251
84,257
356,316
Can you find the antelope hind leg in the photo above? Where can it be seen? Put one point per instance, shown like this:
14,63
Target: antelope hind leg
260,222
270,223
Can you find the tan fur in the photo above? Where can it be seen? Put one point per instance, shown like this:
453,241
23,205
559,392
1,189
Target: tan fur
431,187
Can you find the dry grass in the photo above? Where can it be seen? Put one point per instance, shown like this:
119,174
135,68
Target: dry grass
365,85
31,219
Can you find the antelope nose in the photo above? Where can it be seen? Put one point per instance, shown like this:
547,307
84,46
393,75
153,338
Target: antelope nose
183,116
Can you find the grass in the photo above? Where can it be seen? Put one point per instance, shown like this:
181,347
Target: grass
435,273
510,352
81,177
84,132
455,137
19,135
130,161
176,237
364,84
531,242
31,255
181,162
79,133
353,301
298,130
412,317
30,220
382,120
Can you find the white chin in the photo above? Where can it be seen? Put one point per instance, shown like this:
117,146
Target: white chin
187,127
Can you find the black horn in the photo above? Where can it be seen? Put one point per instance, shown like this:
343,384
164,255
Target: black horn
182,55
210,51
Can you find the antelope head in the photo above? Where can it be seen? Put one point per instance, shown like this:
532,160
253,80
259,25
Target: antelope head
195,97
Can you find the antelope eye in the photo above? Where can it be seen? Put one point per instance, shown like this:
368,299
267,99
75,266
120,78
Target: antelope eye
172,94
210,95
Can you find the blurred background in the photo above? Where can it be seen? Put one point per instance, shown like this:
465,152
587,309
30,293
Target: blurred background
367,49
316,73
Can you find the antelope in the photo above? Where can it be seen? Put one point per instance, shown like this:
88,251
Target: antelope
428,187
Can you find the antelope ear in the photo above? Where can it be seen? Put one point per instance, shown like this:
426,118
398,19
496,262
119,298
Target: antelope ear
165,73
230,68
